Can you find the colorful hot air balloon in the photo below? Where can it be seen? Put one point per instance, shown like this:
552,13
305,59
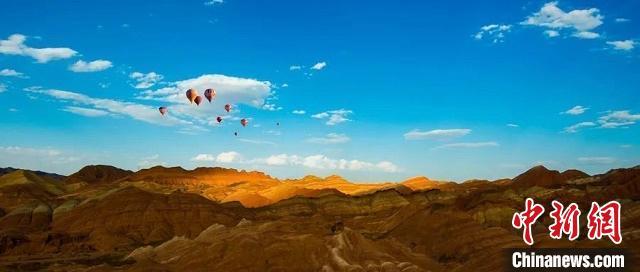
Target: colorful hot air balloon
192,94
209,94
198,100
163,110
219,119
227,107
244,122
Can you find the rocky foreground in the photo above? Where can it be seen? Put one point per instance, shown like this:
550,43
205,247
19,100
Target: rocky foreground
212,219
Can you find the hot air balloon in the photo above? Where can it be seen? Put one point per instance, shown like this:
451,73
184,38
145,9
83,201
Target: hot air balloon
227,107
198,100
219,119
163,110
192,94
235,133
278,123
209,94
244,122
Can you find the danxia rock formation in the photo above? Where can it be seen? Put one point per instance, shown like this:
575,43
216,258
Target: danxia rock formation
215,219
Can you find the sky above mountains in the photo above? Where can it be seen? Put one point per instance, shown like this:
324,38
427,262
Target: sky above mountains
382,91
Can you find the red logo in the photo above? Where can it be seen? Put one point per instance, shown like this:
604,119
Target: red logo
526,219
564,221
602,221
605,221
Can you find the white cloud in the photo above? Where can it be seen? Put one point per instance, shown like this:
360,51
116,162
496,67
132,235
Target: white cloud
213,2
552,33
229,89
224,157
281,159
575,128
271,107
319,65
320,115
331,138
587,35
228,157
334,117
615,119
577,110
14,45
494,32
284,85
203,157
3,87
581,21
319,162
625,45
87,112
313,162
144,81
11,73
436,134
300,112
513,125
597,160
325,163
295,67
622,20
92,66
136,111
468,145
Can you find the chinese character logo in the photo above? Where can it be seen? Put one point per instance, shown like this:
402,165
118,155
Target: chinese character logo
605,221
602,221
526,219
564,221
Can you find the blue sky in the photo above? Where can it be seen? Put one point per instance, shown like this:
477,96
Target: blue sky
375,92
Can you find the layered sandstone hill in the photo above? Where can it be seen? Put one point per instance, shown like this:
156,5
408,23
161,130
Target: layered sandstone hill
26,199
131,216
156,220
97,174
292,244
250,188
8,170
543,177
424,183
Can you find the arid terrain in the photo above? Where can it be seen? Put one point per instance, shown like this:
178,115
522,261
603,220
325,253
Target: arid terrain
213,219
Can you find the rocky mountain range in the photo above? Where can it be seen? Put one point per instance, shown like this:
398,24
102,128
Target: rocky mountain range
102,218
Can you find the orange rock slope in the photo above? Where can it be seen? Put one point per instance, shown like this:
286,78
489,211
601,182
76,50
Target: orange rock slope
251,189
